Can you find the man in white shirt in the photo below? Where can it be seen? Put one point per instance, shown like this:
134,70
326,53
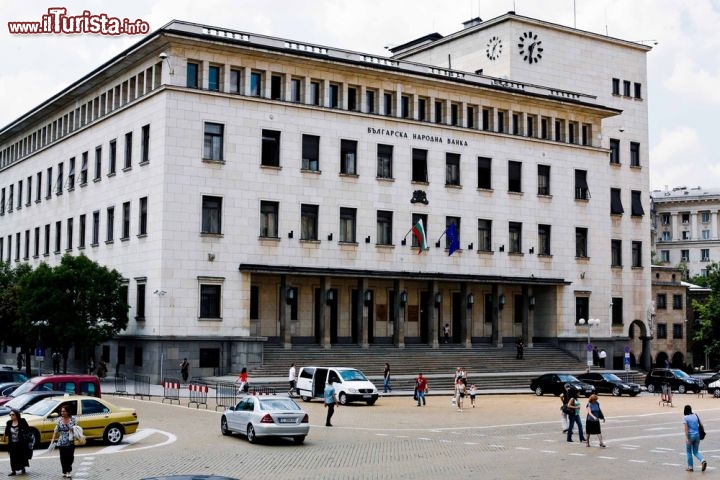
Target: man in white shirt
292,377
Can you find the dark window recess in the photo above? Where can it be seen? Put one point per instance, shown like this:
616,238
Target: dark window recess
614,151
616,207
637,209
582,192
270,148
484,172
419,165
514,176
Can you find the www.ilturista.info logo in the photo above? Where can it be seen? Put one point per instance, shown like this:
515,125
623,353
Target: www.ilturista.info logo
58,21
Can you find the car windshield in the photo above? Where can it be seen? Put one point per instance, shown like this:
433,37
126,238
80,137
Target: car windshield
567,378
611,377
17,402
353,376
42,408
278,404
680,374
24,388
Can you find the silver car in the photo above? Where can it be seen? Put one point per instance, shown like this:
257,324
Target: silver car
261,416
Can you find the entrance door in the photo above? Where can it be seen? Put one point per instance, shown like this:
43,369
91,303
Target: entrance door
318,299
457,305
333,306
425,317
354,320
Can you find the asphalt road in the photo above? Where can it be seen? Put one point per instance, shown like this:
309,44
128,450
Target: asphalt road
504,437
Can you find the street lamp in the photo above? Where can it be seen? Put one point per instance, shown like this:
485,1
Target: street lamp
590,322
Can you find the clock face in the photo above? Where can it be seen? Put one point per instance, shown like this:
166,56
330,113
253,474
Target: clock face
493,49
530,47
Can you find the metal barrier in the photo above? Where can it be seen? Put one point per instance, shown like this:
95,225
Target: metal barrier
262,391
198,394
225,395
121,385
666,396
171,390
142,386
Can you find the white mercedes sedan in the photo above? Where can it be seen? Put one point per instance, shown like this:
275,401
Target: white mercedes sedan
266,416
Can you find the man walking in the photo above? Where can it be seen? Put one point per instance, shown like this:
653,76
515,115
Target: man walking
386,379
292,378
185,369
421,386
330,402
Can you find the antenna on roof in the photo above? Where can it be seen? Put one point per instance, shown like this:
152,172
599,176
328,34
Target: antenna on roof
574,13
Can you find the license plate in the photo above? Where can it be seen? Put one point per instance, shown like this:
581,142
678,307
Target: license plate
287,420
367,395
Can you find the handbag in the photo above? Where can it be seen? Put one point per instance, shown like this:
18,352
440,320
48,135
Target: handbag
78,436
701,428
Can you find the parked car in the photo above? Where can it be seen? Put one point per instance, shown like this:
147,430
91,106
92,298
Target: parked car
71,384
610,383
350,384
713,385
6,388
24,401
99,419
676,378
555,383
12,376
259,416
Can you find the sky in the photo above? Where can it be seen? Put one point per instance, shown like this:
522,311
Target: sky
683,68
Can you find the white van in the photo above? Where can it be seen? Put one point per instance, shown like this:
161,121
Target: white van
350,384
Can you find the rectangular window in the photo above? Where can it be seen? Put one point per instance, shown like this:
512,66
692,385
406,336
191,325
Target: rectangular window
352,100
36,245
348,157
581,242
58,239
193,73
276,82
143,218
454,115
311,153
2,202
559,130
666,236
419,165
677,330
452,221
69,227
235,81
96,228
270,148
617,311
705,217
704,254
636,208
665,256
295,90
636,254
500,122
112,159
515,124
84,169
585,134
210,301
661,329
543,179
388,103
405,106
515,237
60,180
19,195
70,178
81,233
309,222
214,78
314,93
46,249
677,302
616,86
661,301
140,302
684,255
128,150
27,245
484,173
616,207
417,217
485,119
125,221
384,227
638,90
438,112
370,101
384,161
665,218
28,199
110,224
38,188
256,86
211,215
452,169
615,151
213,141
544,239
470,117
484,235
514,176
530,127
544,130
145,146
334,95
17,246
348,222
582,308
634,154
616,253
626,88
572,135
269,219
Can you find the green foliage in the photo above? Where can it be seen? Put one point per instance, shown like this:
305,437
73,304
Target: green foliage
700,280
708,331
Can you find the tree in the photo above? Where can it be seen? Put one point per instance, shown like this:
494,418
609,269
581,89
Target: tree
78,302
708,331
10,279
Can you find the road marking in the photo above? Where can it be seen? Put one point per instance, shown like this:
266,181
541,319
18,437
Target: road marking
138,436
637,461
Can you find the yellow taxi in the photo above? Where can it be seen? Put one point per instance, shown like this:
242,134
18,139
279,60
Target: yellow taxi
99,419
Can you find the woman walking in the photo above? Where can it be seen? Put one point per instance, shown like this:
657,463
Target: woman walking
16,432
692,438
592,422
574,417
65,444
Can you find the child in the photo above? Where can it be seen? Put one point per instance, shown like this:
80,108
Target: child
473,392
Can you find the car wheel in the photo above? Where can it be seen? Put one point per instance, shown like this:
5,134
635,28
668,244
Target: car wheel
343,398
305,398
252,438
224,426
299,439
716,393
616,392
371,402
113,434
651,388
538,391
682,389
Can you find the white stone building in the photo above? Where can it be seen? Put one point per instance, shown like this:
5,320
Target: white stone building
252,188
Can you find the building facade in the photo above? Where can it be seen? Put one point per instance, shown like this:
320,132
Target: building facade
255,189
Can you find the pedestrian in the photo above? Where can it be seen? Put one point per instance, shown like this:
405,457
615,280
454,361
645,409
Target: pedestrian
386,379
242,381
91,365
65,444
602,356
472,392
20,360
564,409
185,369
463,376
460,395
421,386
519,349
446,332
102,368
596,356
693,425
292,378
56,362
592,422
574,417
17,432
330,402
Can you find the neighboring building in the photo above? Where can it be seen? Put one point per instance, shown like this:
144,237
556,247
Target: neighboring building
252,188
669,322
685,228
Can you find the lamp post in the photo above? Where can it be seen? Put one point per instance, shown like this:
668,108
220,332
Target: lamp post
589,322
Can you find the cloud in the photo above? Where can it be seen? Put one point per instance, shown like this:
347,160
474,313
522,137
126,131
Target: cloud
681,159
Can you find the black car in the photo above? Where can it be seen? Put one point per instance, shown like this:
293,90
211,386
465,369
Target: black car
555,383
12,376
675,378
610,383
25,400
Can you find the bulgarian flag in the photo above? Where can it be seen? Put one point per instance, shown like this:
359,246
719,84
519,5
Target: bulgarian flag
419,232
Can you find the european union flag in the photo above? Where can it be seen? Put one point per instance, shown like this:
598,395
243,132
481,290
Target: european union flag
453,240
